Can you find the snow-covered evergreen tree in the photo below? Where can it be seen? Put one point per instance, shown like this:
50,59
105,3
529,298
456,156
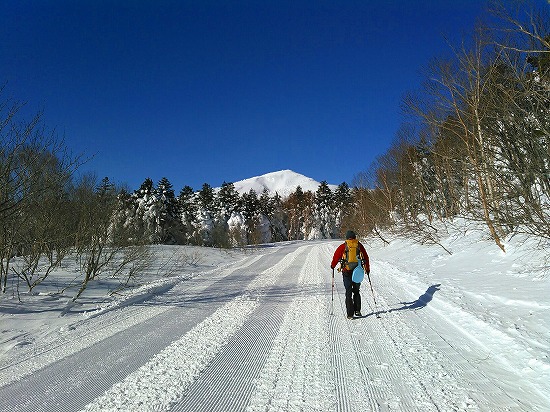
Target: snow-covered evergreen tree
277,220
188,212
294,207
342,204
257,225
206,213
236,227
324,218
148,211
227,201
171,228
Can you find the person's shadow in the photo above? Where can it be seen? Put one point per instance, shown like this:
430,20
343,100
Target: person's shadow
422,301
419,303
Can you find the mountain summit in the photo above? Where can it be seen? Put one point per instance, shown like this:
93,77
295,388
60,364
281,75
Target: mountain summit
283,182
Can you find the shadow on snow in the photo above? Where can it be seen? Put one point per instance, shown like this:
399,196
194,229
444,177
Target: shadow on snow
419,303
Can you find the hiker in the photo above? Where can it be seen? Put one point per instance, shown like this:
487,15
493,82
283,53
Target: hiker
349,254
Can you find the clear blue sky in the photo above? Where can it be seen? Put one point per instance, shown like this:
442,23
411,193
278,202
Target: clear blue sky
211,91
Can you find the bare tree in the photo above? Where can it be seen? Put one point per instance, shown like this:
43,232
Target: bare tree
521,117
457,105
35,168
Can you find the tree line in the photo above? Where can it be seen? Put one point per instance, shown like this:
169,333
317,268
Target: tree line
225,218
49,213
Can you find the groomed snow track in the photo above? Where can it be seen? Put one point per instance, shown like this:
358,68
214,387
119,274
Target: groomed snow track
258,336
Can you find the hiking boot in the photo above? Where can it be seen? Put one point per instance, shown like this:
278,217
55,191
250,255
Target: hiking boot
358,313
350,316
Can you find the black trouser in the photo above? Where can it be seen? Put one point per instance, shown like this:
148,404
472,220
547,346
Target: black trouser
353,298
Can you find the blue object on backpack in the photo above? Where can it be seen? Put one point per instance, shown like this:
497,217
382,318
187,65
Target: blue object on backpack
358,274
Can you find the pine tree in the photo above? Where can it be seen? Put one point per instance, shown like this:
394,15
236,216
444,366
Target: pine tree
265,204
164,187
342,204
188,210
292,207
225,203
146,218
277,220
342,196
205,197
227,200
325,219
106,199
206,213
146,188
250,207
105,188
171,228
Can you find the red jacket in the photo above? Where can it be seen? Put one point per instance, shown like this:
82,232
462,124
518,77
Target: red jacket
342,249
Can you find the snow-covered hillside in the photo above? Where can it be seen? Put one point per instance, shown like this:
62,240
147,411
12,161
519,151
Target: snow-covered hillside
283,182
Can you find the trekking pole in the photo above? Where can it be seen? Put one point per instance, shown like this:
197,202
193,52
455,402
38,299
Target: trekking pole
332,293
373,298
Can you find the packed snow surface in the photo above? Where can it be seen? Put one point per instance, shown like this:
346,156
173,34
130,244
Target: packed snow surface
252,330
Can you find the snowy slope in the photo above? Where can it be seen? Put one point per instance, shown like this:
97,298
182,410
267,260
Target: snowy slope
252,331
283,182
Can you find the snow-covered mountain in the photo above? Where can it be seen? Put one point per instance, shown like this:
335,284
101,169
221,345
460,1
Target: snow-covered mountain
283,182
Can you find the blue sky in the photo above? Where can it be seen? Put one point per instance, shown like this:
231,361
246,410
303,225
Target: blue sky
211,91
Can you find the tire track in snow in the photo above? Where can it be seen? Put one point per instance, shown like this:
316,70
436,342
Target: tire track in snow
415,378
416,371
88,373
46,353
158,383
164,380
228,382
85,333
350,374
297,373
372,370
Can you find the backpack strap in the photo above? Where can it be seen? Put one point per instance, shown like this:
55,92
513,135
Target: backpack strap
344,257
346,252
360,257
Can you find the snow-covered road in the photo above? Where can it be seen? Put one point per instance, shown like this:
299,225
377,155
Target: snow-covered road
257,335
